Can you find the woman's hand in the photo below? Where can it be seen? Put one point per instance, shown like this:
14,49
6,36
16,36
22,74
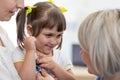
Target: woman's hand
46,61
44,76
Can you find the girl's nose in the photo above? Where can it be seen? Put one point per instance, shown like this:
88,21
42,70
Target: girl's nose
54,41
20,4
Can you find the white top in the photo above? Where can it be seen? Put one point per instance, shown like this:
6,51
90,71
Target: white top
62,60
58,57
7,69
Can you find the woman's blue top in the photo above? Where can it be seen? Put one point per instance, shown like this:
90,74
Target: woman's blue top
99,78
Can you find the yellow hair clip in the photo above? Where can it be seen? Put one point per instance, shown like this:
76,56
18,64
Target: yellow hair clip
29,9
61,8
51,1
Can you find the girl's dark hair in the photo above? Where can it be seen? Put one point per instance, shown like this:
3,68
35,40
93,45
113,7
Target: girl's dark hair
45,15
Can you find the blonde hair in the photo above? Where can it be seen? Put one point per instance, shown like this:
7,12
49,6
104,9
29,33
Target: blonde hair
99,35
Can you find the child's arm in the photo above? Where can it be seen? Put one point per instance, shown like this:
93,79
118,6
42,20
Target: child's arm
26,68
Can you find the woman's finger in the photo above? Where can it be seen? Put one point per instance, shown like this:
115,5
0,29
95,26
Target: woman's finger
39,76
43,72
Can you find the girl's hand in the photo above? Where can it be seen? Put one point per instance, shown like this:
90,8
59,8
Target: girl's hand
29,43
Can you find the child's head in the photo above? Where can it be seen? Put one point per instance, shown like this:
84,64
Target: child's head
99,38
45,16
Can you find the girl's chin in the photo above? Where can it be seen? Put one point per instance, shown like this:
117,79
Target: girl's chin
48,53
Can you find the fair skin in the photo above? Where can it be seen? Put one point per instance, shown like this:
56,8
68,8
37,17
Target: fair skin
44,76
86,59
8,8
43,46
47,40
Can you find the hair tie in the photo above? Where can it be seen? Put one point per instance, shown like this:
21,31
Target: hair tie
61,8
29,9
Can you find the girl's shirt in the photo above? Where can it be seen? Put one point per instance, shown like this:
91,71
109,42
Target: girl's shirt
58,57
7,69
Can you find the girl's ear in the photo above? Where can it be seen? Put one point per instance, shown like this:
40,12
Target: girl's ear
29,30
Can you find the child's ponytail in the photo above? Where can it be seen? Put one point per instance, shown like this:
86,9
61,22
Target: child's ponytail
20,22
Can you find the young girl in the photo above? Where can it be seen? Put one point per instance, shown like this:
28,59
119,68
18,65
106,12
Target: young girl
45,25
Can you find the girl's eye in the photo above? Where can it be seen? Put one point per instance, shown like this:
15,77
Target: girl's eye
48,35
59,36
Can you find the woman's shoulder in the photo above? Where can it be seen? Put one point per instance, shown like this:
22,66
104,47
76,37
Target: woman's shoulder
2,31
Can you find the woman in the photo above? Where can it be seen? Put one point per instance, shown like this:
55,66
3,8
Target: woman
9,7
99,37
7,10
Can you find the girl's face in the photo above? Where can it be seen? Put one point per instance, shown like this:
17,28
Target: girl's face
48,39
9,7
86,59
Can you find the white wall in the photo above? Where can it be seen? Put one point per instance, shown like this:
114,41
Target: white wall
77,11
